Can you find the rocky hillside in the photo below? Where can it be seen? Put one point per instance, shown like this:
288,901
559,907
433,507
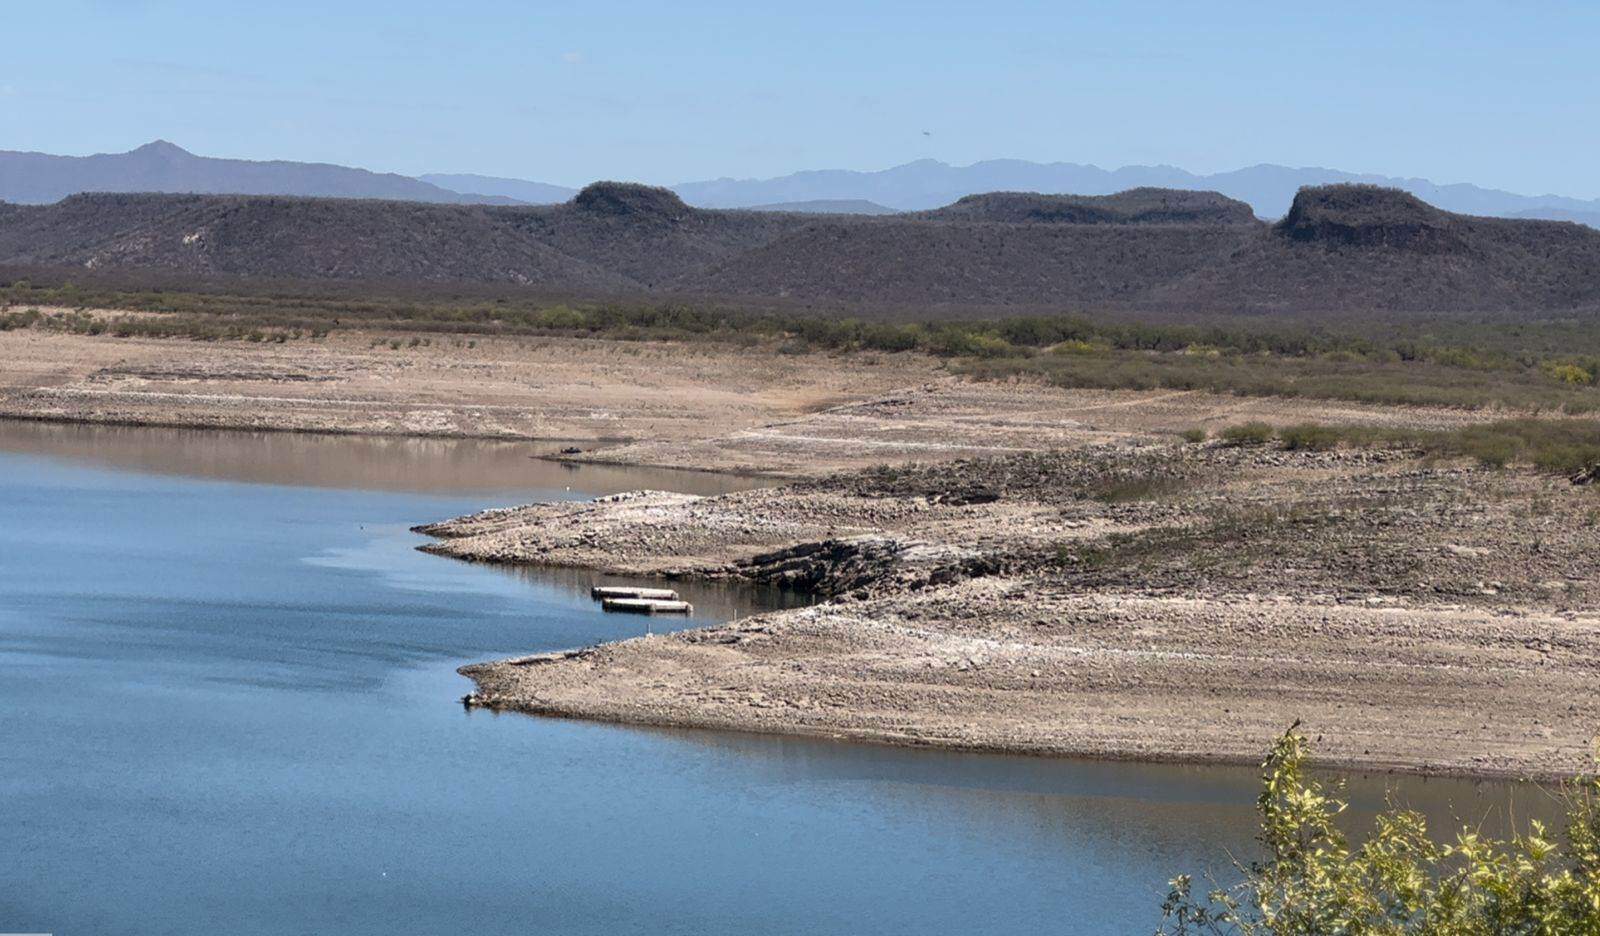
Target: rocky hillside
1135,206
1352,246
1339,249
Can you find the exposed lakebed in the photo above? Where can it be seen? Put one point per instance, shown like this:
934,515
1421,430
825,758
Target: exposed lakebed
229,704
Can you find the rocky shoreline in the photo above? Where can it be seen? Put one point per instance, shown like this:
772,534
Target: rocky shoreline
1160,602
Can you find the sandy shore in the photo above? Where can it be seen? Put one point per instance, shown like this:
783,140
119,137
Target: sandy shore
661,404
453,386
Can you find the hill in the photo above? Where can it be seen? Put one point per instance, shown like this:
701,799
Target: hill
289,238
1366,247
1339,249
1135,206
926,184
39,178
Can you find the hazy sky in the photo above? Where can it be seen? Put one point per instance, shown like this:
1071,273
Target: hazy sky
1502,94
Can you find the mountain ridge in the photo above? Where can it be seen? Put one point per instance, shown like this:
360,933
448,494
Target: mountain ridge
160,166
1339,250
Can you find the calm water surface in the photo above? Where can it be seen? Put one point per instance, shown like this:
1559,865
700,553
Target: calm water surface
228,704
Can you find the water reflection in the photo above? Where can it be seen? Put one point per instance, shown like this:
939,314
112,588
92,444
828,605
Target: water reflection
379,463
1126,795
712,600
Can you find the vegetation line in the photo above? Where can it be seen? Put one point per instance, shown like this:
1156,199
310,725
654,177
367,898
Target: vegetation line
1563,445
1541,366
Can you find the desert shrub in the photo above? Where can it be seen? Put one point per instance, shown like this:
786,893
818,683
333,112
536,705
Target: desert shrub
561,318
1312,881
1490,450
1309,437
1137,487
1555,444
881,337
24,319
1568,373
960,342
1550,444
1250,433
1194,436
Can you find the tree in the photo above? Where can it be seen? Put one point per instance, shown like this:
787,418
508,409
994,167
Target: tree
1313,882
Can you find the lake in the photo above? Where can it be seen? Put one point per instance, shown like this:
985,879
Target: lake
228,703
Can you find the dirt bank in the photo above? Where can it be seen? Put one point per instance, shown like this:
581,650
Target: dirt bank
709,406
1143,601
449,386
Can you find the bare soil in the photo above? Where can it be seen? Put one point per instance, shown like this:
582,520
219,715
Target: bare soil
663,404
1125,600
452,386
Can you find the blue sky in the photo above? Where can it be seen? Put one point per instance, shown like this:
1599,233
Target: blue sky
1497,93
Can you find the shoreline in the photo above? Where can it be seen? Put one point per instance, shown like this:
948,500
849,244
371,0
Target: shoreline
1246,749
955,625
552,457
1187,759
1011,566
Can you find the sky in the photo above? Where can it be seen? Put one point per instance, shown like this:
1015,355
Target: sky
1501,94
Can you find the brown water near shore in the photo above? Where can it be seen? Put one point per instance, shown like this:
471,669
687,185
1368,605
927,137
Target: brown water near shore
387,463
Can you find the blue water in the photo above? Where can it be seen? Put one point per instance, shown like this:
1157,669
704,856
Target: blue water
231,707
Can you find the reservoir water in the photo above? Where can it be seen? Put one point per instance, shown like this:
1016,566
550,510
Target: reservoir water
228,704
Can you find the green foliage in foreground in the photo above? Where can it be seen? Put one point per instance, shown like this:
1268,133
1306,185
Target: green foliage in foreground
1314,882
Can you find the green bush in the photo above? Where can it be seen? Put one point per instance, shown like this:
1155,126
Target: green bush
1250,433
953,341
11,320
1309,437
1313,882
561,318
1194,436
1571,374
1554,445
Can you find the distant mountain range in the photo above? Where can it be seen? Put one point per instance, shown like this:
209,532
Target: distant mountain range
855,206
38,178
1268,189
521,190
1591,218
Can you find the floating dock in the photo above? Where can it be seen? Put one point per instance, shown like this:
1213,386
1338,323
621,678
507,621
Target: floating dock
647,605
614,591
